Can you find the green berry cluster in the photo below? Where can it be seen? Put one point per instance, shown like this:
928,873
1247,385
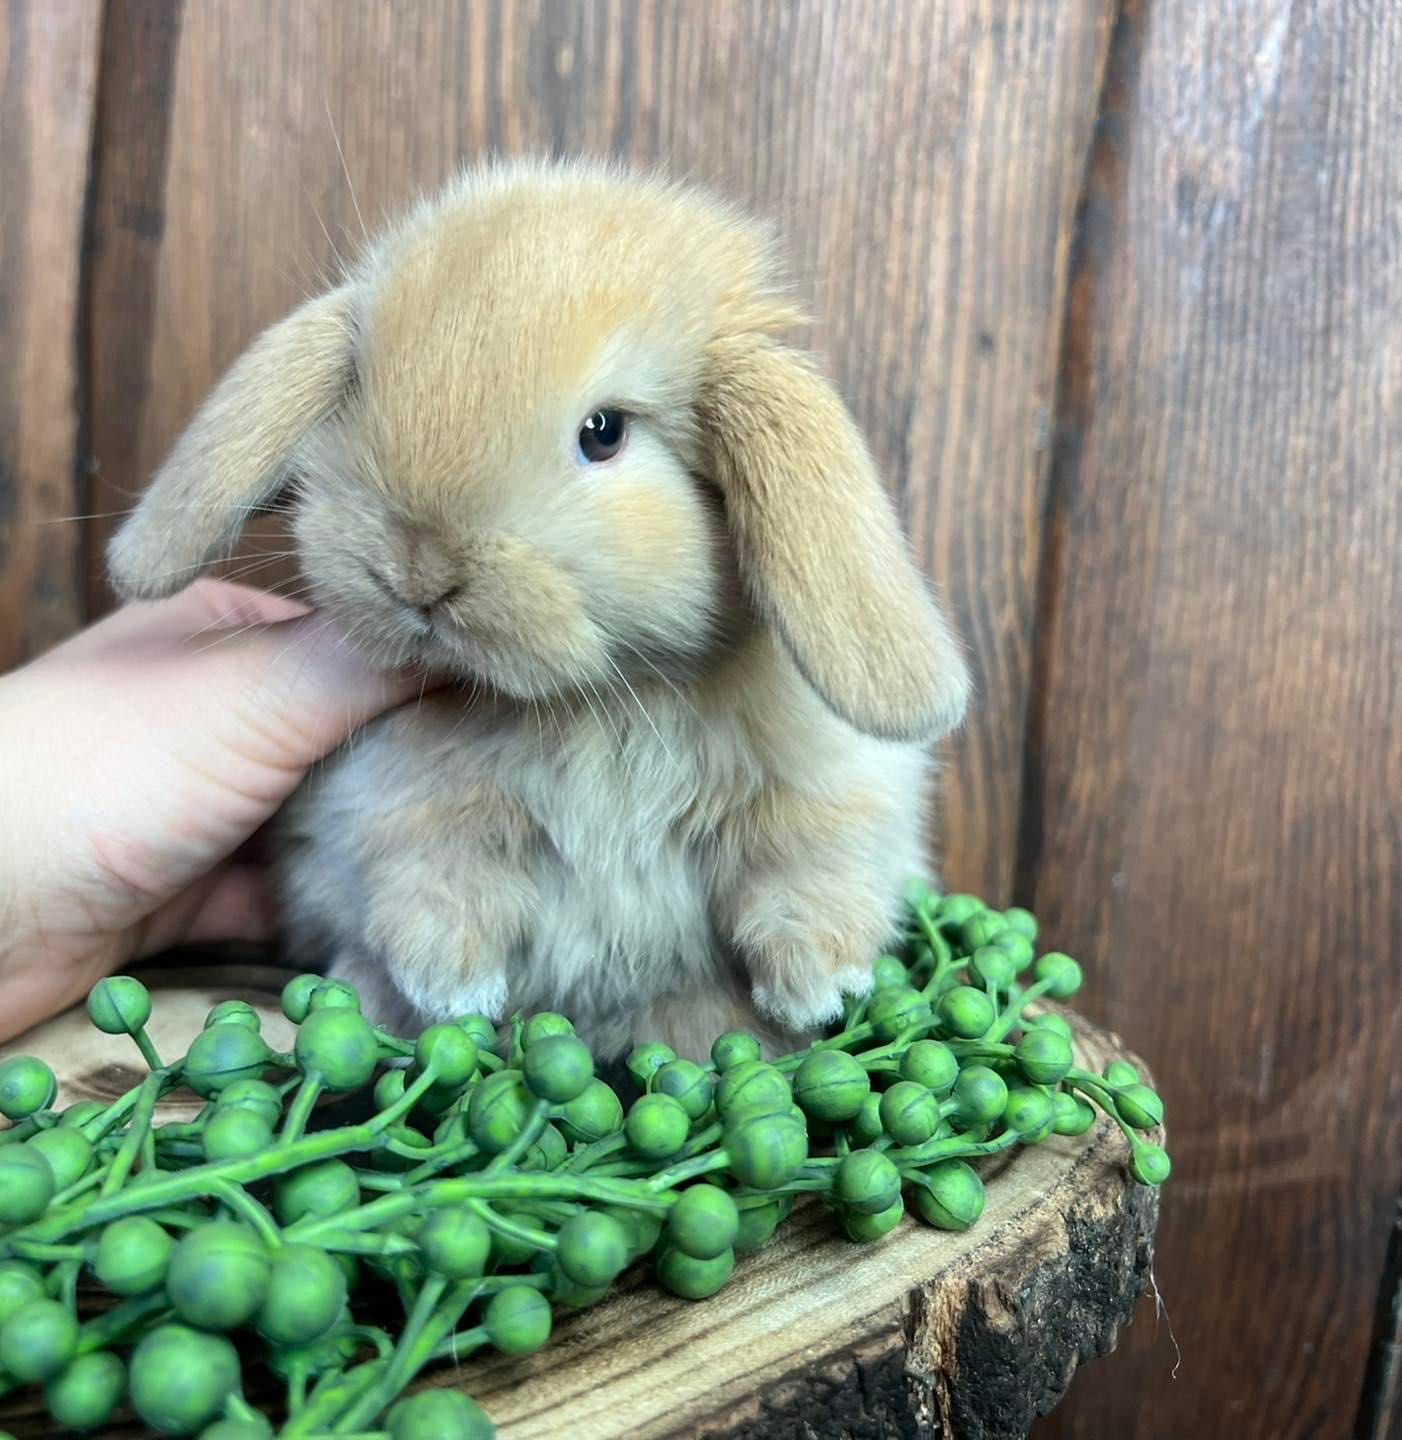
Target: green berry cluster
253,1254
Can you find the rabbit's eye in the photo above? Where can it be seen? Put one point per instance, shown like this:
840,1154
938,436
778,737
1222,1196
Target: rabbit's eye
602,435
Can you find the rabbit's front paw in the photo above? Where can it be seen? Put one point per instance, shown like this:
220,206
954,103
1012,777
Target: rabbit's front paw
438,959
803,986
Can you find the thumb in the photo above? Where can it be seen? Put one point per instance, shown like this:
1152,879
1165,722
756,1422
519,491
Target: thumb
303,689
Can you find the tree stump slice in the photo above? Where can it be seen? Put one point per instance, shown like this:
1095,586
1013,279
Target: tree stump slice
923,1334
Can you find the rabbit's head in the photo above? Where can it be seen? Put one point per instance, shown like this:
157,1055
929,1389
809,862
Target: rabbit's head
547,434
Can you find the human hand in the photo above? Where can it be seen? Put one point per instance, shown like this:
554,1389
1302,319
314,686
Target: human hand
135,760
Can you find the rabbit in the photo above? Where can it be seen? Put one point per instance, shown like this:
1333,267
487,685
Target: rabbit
546,438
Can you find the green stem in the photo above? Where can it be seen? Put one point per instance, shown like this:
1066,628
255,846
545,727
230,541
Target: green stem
247,1208
300,1111
147,1094
148,1050
536,1121
1013,1012
462,1343
513,1229
688,1170
114,1325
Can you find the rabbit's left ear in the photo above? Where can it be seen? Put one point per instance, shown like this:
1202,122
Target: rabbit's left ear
819,546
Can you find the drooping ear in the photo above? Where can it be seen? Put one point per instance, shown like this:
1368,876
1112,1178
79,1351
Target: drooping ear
819,545
234,455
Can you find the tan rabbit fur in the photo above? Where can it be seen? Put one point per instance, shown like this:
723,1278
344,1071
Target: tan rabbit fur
679,781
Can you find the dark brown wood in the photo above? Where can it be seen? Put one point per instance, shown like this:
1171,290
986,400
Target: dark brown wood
1217,766
48,70
921,160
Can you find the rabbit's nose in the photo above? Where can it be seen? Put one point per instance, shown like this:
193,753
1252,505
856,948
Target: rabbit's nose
429,579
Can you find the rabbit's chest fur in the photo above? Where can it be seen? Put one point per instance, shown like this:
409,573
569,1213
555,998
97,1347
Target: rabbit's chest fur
612,833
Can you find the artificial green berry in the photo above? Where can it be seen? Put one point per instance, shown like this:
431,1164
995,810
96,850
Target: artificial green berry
1030,1112
980,930
692,1279
234,1012
931,1064
647,1060
591,1115
338,1046
593,1248
866,1127
255,1095
1021,921
641,1227
992,965
390,1087
953,910
830,1085
867,1228
306,1293
439,1415
1060,973
558,1068
258,1429
27,1085
981,1094
482,1030
1121,1072
498,1110
19,1284
966,1013
324,1188
219,1274
548,1153
866,1182
1018,948
732,1049
951,1197
1149,1164
455,1243
81,1112
26,1184
297,996
543,1023
704,1222
564,1292
450,1052
896,1009
87,1392
331,1352
752,1085
657,1126
68,1151
887,970
333,995
119,1005
1072,1115
1054,1023
133,1255
235,1134
910,1114
181,1379
1139,1106
765,1151
1044,1056
223,1054
38,1340
688,1084
517,1320
758,1222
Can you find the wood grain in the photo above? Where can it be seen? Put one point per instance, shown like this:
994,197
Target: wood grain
48,68
1217,766
922,162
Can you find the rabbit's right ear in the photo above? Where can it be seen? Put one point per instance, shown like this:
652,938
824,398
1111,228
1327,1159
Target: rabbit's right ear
235,453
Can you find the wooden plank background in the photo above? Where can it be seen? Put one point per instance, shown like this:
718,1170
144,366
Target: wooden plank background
1115,287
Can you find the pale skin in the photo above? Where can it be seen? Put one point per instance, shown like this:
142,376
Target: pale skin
137,758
